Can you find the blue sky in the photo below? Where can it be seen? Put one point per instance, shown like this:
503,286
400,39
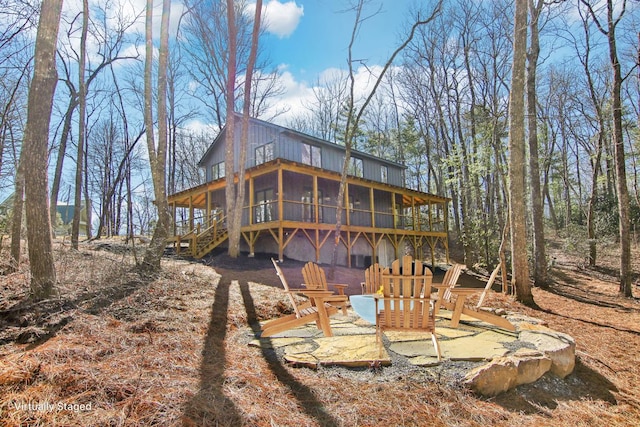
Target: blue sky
320,39
308,39
305,40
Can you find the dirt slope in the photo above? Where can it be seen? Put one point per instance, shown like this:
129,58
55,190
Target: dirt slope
117,348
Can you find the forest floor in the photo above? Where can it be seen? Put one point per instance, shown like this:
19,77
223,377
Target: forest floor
116,348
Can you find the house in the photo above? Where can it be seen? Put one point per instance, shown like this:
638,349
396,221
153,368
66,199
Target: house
291,185
63,218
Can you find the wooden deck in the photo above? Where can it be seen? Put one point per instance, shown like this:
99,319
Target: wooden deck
287,201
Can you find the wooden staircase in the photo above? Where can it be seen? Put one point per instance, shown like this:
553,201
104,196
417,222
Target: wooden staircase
204,242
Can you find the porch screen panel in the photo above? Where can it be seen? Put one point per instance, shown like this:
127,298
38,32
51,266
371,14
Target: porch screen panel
309,206
264,210
383,209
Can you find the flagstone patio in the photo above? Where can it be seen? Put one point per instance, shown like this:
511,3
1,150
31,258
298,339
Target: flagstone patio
491,348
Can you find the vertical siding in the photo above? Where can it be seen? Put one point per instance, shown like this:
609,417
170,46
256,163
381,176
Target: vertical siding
288,146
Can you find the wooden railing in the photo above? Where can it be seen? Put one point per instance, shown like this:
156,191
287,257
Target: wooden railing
201,242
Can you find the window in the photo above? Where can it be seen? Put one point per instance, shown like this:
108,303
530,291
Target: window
356,167
263,210
384,174
264,153
311,155
217,171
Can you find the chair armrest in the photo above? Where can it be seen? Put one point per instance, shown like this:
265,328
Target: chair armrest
441,290
466,291
340,287
299,290
315,293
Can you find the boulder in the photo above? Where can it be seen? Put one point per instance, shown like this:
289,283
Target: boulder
561,348
531,365
504,373
493,378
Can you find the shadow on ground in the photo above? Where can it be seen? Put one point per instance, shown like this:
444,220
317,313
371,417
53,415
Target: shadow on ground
545,394
210,406
35,322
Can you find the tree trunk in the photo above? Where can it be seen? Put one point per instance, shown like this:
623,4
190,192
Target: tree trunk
517,187
35,146
158,158
537,208
16,221
82,104
62,152
233,218
618,144
621,172
354,118
595,164
244,136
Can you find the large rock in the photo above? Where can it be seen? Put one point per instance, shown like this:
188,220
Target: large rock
531,365
493,378
504,373
561,348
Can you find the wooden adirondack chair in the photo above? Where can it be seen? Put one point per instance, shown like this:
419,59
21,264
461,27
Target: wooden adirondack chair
372,279
406,303
454,298
315,278
316,309
449,281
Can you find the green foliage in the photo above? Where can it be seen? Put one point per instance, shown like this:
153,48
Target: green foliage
634,216
607,219
4,224
606,215
482,238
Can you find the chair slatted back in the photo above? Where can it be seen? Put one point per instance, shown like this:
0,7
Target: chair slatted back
372,279
407,291
286,287
492,279
451,279
314,277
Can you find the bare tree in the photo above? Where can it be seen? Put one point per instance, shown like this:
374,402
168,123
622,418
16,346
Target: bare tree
609,30
207,44
18,201
17,19
354,113
234,193
179,111
597,98
234,236
329,95
82,121
111,35
111,156
537,208
157,155
517,186
36,137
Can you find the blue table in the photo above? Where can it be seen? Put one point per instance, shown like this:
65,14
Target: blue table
364,306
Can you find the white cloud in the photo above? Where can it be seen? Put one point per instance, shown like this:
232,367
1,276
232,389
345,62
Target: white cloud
198,127
278,18
298,95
